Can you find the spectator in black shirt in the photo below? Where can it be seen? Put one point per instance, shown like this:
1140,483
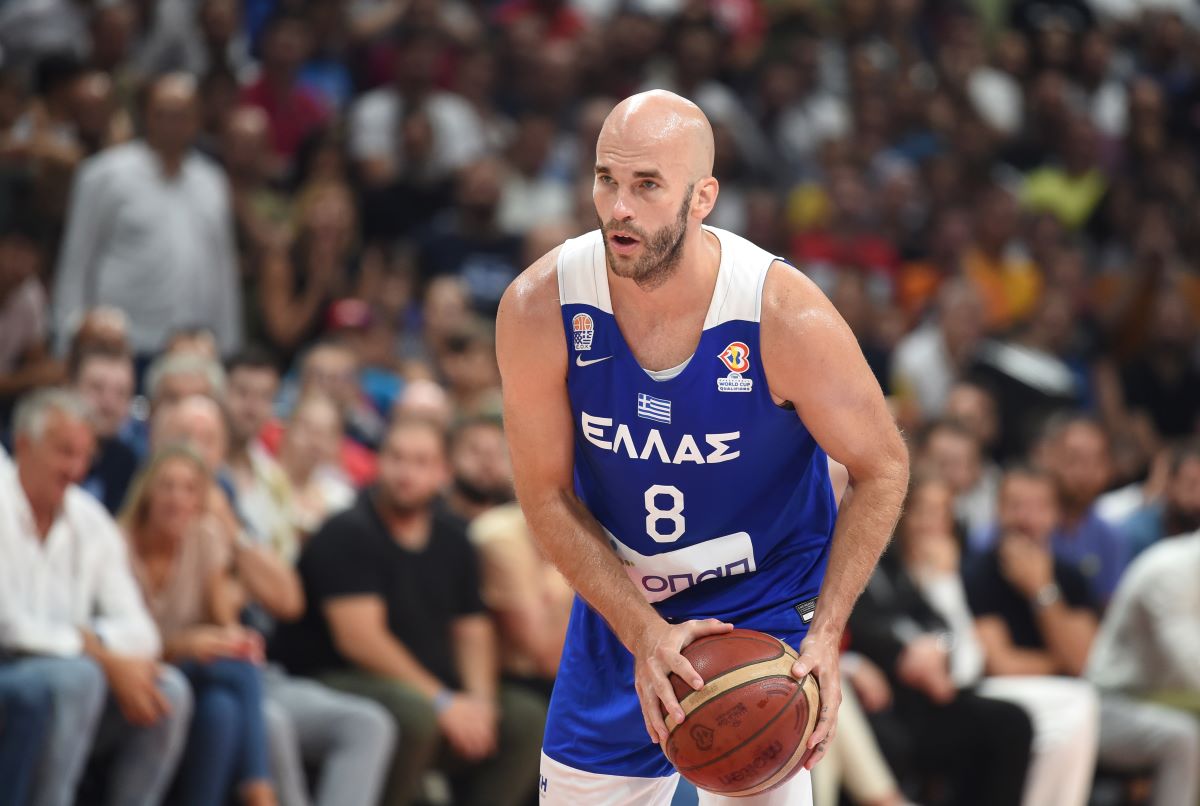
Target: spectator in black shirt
395,615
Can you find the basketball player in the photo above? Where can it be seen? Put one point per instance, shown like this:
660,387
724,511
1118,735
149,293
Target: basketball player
670,455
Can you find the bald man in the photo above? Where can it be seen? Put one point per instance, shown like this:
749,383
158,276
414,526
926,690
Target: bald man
671,395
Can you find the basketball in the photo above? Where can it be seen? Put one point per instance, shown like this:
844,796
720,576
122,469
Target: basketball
745,731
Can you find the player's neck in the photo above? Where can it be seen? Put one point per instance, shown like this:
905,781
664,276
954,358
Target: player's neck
690,285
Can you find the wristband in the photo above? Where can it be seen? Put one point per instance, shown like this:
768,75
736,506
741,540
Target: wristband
442,700
1047,595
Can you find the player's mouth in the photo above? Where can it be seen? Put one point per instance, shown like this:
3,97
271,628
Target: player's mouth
623,243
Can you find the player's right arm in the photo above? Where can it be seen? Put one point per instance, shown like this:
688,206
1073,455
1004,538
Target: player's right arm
532,352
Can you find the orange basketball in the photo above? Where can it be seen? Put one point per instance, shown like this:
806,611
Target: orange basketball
745,731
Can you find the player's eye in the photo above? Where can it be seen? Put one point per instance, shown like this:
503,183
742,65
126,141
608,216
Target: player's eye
605,179
649,185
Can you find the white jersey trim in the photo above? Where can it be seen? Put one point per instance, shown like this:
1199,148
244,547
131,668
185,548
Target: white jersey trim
737,296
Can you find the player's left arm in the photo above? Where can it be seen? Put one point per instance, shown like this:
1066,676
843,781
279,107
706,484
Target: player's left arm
813,360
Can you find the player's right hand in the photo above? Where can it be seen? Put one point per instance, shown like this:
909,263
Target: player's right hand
655,656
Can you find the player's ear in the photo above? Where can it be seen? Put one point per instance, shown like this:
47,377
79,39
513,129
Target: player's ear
704,196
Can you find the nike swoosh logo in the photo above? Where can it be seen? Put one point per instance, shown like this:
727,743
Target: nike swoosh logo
579,362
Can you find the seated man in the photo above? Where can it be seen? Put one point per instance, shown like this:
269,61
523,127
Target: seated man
1035,616
72,615
1148,648
394,613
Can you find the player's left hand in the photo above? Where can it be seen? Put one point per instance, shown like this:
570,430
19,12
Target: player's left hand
819,656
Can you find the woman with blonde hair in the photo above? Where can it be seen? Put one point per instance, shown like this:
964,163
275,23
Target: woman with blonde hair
180,554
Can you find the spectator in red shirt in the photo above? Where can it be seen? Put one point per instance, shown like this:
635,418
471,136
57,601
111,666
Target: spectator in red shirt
294,112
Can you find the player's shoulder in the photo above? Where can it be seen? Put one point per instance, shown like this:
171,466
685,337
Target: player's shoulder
537,291
793,302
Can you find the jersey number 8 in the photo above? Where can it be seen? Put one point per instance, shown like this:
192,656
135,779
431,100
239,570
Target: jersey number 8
656,516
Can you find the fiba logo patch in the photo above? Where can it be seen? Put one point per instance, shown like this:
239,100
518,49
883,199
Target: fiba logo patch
584,329
736,358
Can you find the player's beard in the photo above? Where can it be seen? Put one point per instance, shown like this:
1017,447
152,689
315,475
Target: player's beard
661,252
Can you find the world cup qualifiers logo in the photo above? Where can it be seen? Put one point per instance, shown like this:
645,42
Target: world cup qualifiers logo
736,358
583,329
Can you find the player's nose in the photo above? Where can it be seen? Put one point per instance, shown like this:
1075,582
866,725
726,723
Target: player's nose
623,210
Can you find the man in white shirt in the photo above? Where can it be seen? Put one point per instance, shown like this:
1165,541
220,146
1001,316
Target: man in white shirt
72,615
1148,648
150,231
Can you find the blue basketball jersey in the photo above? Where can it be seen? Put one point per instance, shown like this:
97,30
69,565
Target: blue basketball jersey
716,500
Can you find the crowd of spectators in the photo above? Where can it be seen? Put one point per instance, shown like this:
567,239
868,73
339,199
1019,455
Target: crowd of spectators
257,530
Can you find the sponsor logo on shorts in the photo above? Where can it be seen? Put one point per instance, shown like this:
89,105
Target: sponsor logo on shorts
584,329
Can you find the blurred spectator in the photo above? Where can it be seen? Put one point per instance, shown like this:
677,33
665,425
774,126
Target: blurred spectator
1030,376
928,361
950,451
1076,452
934,727
1073,188
348,738
525,593
262,213
467,242
293,110
102,328
366,333
1176,510
1161,386
27,710
468,364
331,368
377,120
480,468
997,263
309,456
30,29
530,194
395,615
72,613
192,340
171,378
304,275
1035,615
326,367
425,399
264,493
1146,647
973,407
181,558
104,379
151,232
1063,711
197,38
25,364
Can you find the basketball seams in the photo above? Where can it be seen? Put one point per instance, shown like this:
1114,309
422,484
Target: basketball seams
812,693
766,725
780,645
775,667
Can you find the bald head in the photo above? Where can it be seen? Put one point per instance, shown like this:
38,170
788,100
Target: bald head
654,184
661,124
